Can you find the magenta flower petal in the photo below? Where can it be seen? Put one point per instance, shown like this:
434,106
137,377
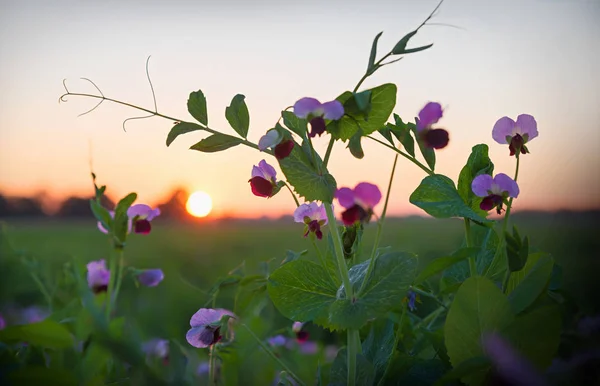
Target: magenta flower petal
503,128
284,149
261,187
2,323
205,316
506,184
309,348
482,184
142,227
202,336
527,125
139,210
305,106
436,138
151,277
302,211
333,110
153,214
272,138
430,114
268,171
345,196
354,214
367,194
98,276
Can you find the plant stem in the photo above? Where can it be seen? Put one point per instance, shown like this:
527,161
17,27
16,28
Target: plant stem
272,355
429,295
396,341
292,193
328,152
403,154
338,250
504,226
121,272
366,75
111,283
42,288
352,351
212,366
431,317
469,241
379,226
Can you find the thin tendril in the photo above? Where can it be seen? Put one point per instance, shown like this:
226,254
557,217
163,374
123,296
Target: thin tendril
99,103
150,82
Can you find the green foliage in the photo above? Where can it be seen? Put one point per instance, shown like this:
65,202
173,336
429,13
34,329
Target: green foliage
378,347
478,163
48,334
355,146
526,288
41,375
371,68
121,220
196,105
365,373
442,263
400,47
517,250
101,214
238,116
295,124
437,196
216,142
427,152
181,128
479,307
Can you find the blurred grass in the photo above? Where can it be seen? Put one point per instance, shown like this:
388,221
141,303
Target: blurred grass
193,256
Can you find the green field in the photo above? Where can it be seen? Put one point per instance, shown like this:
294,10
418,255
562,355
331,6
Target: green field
194,256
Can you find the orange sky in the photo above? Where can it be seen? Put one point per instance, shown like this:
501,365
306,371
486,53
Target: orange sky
534,57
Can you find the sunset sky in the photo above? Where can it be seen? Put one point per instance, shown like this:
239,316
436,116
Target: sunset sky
539,57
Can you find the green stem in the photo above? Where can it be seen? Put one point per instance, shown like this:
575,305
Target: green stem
431,317
292,193
504,226
352,351
469,241
43,289
272,355
111,283
396,341
429,295
328,152
212,366
379,226
338,250
403,154
121,272
366,75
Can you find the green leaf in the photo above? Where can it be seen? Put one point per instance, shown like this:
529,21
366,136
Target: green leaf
365,372
295,124
438,265
237,115
302,290
48,334
417,49
379,346
305,178
464,369
400,47
293,256
101,214
41,375
479,307
517,250
181,128
530,287
121,220
359,104
387,285
437,196
196,105
402,131
536,335
383,100
386,132
478,163
355,146
216,142
371,66
427,152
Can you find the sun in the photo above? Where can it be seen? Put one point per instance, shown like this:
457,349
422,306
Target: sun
199,204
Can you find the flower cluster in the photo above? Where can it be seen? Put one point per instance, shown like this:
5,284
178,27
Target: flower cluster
139,217
428,116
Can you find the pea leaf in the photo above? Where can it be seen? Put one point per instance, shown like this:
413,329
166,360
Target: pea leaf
427,152
238,116
365,372
295,124
101,214
371,66
47,333
181,128
478,163
121,219
527,285
440,264
216,142
196,105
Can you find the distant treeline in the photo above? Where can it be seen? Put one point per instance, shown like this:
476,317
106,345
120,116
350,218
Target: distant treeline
79,207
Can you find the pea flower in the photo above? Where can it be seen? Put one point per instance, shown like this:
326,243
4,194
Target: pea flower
206,327
264,180
494,190
157,348
98,276
301,336
2,322
429,115
150,277
314,216
359,202
112,215
316,113
516,134
282,147
277,341
141,215
33,314
412,298
203,368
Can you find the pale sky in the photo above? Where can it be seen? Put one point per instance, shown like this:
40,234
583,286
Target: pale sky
538,57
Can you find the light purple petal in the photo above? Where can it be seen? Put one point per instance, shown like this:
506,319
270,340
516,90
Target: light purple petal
141,210
277,341
482,184
309,348
151,277
269,172
430,114
368,194
333,110
297,326
97,274
345,196
507,184
321,214
306,106
203,368
302,211
206,316
271,139
528,125
503,128
156,347
101,227
200,336
153,214
257,172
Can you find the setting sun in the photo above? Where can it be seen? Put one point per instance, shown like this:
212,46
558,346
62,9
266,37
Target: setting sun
199,204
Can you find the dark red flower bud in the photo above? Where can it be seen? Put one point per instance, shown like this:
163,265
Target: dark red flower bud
354,214
302,336
261,187
142,227
517,145
491,202
436,138
317,125
284,149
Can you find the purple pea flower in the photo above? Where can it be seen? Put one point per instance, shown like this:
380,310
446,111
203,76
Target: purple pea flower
314,216
316,113
206,327
264,180
98,276
157,348
151,277
203,368
309,348
301,335
494,190
2,322
516,134
277,341
359,202
412,300
112,215
509,364
429,115
282,147
141,215
33,314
